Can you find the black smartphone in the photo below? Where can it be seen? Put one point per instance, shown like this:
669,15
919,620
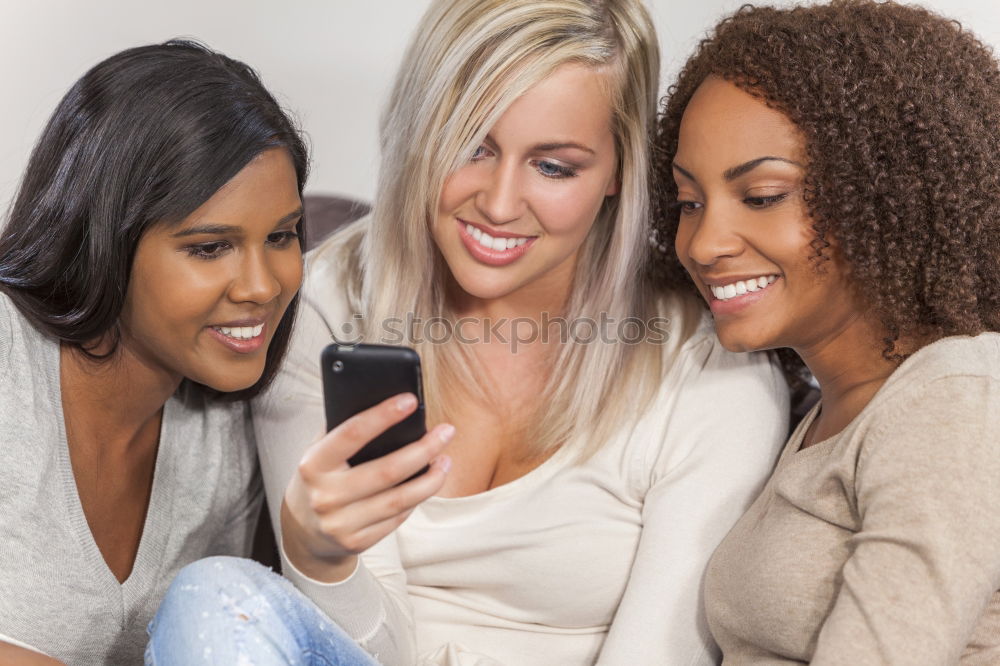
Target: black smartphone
356,377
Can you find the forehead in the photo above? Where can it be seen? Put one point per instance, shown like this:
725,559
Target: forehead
722,122
572,101
266,189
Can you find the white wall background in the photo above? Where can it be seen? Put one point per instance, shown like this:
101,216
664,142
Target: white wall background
329,61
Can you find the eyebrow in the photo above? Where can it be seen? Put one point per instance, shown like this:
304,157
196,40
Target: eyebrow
222,229
741,169
557,146
552,145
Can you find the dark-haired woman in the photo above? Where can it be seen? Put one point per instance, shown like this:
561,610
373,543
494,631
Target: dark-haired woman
148,274
831,175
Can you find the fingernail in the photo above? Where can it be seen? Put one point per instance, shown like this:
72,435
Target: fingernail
445,463
446,432
406,402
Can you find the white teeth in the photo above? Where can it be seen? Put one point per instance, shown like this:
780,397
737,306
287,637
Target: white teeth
241,332
740,287
491,243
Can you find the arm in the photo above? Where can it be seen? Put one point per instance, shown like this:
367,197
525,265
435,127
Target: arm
368,598
927,558
16,655
731,418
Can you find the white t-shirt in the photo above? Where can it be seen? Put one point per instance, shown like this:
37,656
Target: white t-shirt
600,562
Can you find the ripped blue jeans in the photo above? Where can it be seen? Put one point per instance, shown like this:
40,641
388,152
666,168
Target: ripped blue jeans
236,612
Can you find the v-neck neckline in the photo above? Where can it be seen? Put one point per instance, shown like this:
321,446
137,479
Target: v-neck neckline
151,542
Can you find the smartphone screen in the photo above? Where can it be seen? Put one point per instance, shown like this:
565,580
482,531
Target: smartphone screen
356,377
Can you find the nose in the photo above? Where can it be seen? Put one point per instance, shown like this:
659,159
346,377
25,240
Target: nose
255,281
709,238
500,197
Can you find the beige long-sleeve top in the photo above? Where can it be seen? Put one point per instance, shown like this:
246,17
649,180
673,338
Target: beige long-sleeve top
880,545
570,564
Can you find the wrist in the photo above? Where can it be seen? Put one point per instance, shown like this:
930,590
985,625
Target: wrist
323,569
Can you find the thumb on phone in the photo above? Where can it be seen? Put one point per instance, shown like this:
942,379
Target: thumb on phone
333,450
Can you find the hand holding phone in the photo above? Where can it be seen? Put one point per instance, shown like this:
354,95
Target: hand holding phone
332,511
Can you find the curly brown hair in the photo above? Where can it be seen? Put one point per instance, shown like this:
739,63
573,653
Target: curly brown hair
900,112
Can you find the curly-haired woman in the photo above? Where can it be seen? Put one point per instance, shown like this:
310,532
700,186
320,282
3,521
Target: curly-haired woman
831,177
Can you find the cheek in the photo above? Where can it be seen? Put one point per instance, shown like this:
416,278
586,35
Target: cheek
682,241
458,188
165,288
288,273
567,208
793,242
193,288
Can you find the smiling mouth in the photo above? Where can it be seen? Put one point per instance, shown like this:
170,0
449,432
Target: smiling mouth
240,332
741,287
495,244
493,251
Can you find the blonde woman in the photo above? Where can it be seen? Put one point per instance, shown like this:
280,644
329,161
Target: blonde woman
599,440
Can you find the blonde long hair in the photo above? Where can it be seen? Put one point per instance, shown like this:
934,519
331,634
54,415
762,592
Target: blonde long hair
467,62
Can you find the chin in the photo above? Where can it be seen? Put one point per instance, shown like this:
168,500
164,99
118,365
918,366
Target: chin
484,289
737,341
230,382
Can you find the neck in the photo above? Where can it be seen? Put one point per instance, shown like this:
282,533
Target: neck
850,369
115,400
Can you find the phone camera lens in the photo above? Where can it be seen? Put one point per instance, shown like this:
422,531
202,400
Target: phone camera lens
338,366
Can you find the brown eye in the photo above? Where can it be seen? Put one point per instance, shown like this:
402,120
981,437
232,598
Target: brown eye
764,202
282,239
687,207
208,250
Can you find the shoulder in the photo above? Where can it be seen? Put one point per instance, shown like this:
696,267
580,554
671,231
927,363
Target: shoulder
7,314
967,355
716,408
942,405
18,338
331,282
941,377
331,265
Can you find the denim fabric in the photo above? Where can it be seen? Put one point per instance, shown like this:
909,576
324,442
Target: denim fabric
236,612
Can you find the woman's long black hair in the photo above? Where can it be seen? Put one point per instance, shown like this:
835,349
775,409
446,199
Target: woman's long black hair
143,138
